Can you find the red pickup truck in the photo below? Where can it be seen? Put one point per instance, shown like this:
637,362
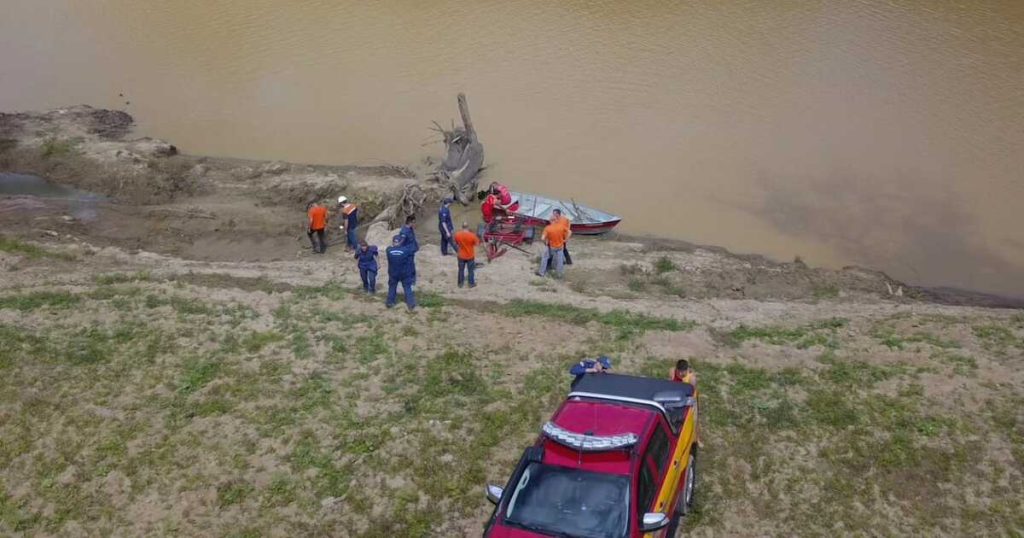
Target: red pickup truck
617,460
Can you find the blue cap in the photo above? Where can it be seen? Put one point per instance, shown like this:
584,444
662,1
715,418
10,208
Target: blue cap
397,239
605,361
447,200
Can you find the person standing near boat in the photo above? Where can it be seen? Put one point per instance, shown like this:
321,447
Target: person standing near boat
503,198
553,237
558,218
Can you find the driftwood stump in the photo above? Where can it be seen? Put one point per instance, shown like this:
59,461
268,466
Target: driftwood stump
464,155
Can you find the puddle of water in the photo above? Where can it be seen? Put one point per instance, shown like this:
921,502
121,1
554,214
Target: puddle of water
82,204
23,184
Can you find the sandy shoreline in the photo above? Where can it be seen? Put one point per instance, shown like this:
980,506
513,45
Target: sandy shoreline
220,209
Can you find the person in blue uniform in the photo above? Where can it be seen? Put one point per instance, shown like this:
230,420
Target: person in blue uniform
351,214
446,227
367,256
599,365
408,234
401,269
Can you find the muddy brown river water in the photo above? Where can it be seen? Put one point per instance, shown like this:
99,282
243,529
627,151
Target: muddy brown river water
872,132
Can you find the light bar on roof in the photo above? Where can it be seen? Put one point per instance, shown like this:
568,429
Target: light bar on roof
588,443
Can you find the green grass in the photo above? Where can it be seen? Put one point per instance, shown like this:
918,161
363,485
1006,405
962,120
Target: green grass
664,265
59,147
627,324
828,291
372,347
255,341
40,299
319,419
233,492
823,333
893,339
996,337
429,299
905,443
14,246
122,278
197,374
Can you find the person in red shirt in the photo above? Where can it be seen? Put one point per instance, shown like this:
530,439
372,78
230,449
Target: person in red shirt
503,197
317,226
467,242
487,208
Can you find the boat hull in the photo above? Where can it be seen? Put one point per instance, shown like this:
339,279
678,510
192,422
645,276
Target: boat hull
536,210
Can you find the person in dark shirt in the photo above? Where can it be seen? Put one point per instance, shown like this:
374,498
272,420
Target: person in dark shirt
401,268
408,234
351,213
367,256
599,365
445,226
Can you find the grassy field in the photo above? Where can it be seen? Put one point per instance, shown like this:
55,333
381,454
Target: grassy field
225,406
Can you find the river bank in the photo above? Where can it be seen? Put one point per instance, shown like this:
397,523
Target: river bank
218,209
178,363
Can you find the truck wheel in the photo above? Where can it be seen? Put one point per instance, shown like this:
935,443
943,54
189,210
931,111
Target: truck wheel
686,498
685,502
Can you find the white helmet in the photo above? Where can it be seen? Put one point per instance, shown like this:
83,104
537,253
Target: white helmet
342,200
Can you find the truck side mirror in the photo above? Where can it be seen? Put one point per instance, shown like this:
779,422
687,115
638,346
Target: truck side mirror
494,493
653,521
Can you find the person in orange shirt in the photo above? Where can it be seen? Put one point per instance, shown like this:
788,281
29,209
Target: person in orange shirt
558,218
317,226
467,242
553,237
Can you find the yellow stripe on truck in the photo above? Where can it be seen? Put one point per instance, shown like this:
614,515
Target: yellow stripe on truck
676,466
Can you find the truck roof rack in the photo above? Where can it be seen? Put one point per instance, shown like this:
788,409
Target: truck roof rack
668,397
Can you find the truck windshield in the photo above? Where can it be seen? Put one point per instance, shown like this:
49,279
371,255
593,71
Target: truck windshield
568,502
